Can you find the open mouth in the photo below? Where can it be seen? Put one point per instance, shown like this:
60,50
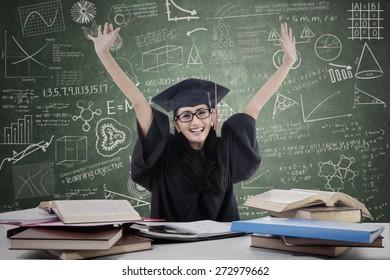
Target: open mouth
197,130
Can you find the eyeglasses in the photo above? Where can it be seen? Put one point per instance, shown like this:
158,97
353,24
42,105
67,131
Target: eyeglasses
188,116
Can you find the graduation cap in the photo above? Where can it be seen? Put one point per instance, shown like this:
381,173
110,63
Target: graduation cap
190,93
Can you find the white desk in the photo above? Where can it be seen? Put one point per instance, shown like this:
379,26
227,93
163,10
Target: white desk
236,248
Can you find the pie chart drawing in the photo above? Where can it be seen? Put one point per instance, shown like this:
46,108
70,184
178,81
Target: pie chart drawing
328,47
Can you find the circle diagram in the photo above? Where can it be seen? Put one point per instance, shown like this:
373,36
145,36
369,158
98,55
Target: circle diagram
328,47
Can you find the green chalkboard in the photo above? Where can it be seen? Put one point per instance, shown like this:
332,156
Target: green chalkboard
67,132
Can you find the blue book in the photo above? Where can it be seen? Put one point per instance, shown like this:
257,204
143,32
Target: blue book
354,232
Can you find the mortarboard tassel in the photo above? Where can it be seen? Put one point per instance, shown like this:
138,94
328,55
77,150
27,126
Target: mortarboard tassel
216,106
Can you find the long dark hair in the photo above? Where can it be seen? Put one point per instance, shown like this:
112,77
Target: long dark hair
202,168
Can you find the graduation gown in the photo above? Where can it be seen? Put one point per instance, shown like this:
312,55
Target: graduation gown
156,167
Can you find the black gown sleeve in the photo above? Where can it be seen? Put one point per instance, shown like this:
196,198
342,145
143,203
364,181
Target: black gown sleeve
243,155
148,150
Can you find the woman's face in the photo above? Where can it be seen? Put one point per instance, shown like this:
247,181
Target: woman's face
197,129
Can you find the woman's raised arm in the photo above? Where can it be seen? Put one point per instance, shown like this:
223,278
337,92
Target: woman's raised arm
287,42
102,43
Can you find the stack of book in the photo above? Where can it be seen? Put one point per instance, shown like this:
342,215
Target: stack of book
314,222
86,229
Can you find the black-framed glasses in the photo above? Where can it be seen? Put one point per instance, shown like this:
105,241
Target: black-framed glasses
188,116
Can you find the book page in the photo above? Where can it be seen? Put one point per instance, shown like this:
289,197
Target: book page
203,227
95,209
340,198
27,216
284,196
85,207
326,193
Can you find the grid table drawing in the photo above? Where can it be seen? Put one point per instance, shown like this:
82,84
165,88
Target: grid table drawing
41,18
366,19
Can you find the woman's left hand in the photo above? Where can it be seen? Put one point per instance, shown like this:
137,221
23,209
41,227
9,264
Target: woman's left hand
287,41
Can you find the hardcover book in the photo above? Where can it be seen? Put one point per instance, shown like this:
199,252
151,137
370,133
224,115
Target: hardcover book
278,200
298,241
66,238
276,243
327,213
92,211
352,232
128,243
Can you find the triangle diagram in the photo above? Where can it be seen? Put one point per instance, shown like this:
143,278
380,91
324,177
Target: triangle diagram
282,103
307,33
274,35
194,57
363,98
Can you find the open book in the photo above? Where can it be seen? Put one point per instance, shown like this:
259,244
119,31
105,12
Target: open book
92,211
184,231
27,217
278,200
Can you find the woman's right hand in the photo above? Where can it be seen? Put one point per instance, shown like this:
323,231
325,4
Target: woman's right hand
105,38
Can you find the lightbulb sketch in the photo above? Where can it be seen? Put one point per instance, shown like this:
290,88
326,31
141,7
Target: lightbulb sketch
93,31
41,18
83,12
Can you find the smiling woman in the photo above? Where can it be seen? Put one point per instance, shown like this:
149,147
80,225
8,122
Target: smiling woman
189,98
191,173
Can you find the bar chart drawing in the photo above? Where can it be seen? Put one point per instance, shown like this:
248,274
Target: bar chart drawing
20,132
340,72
